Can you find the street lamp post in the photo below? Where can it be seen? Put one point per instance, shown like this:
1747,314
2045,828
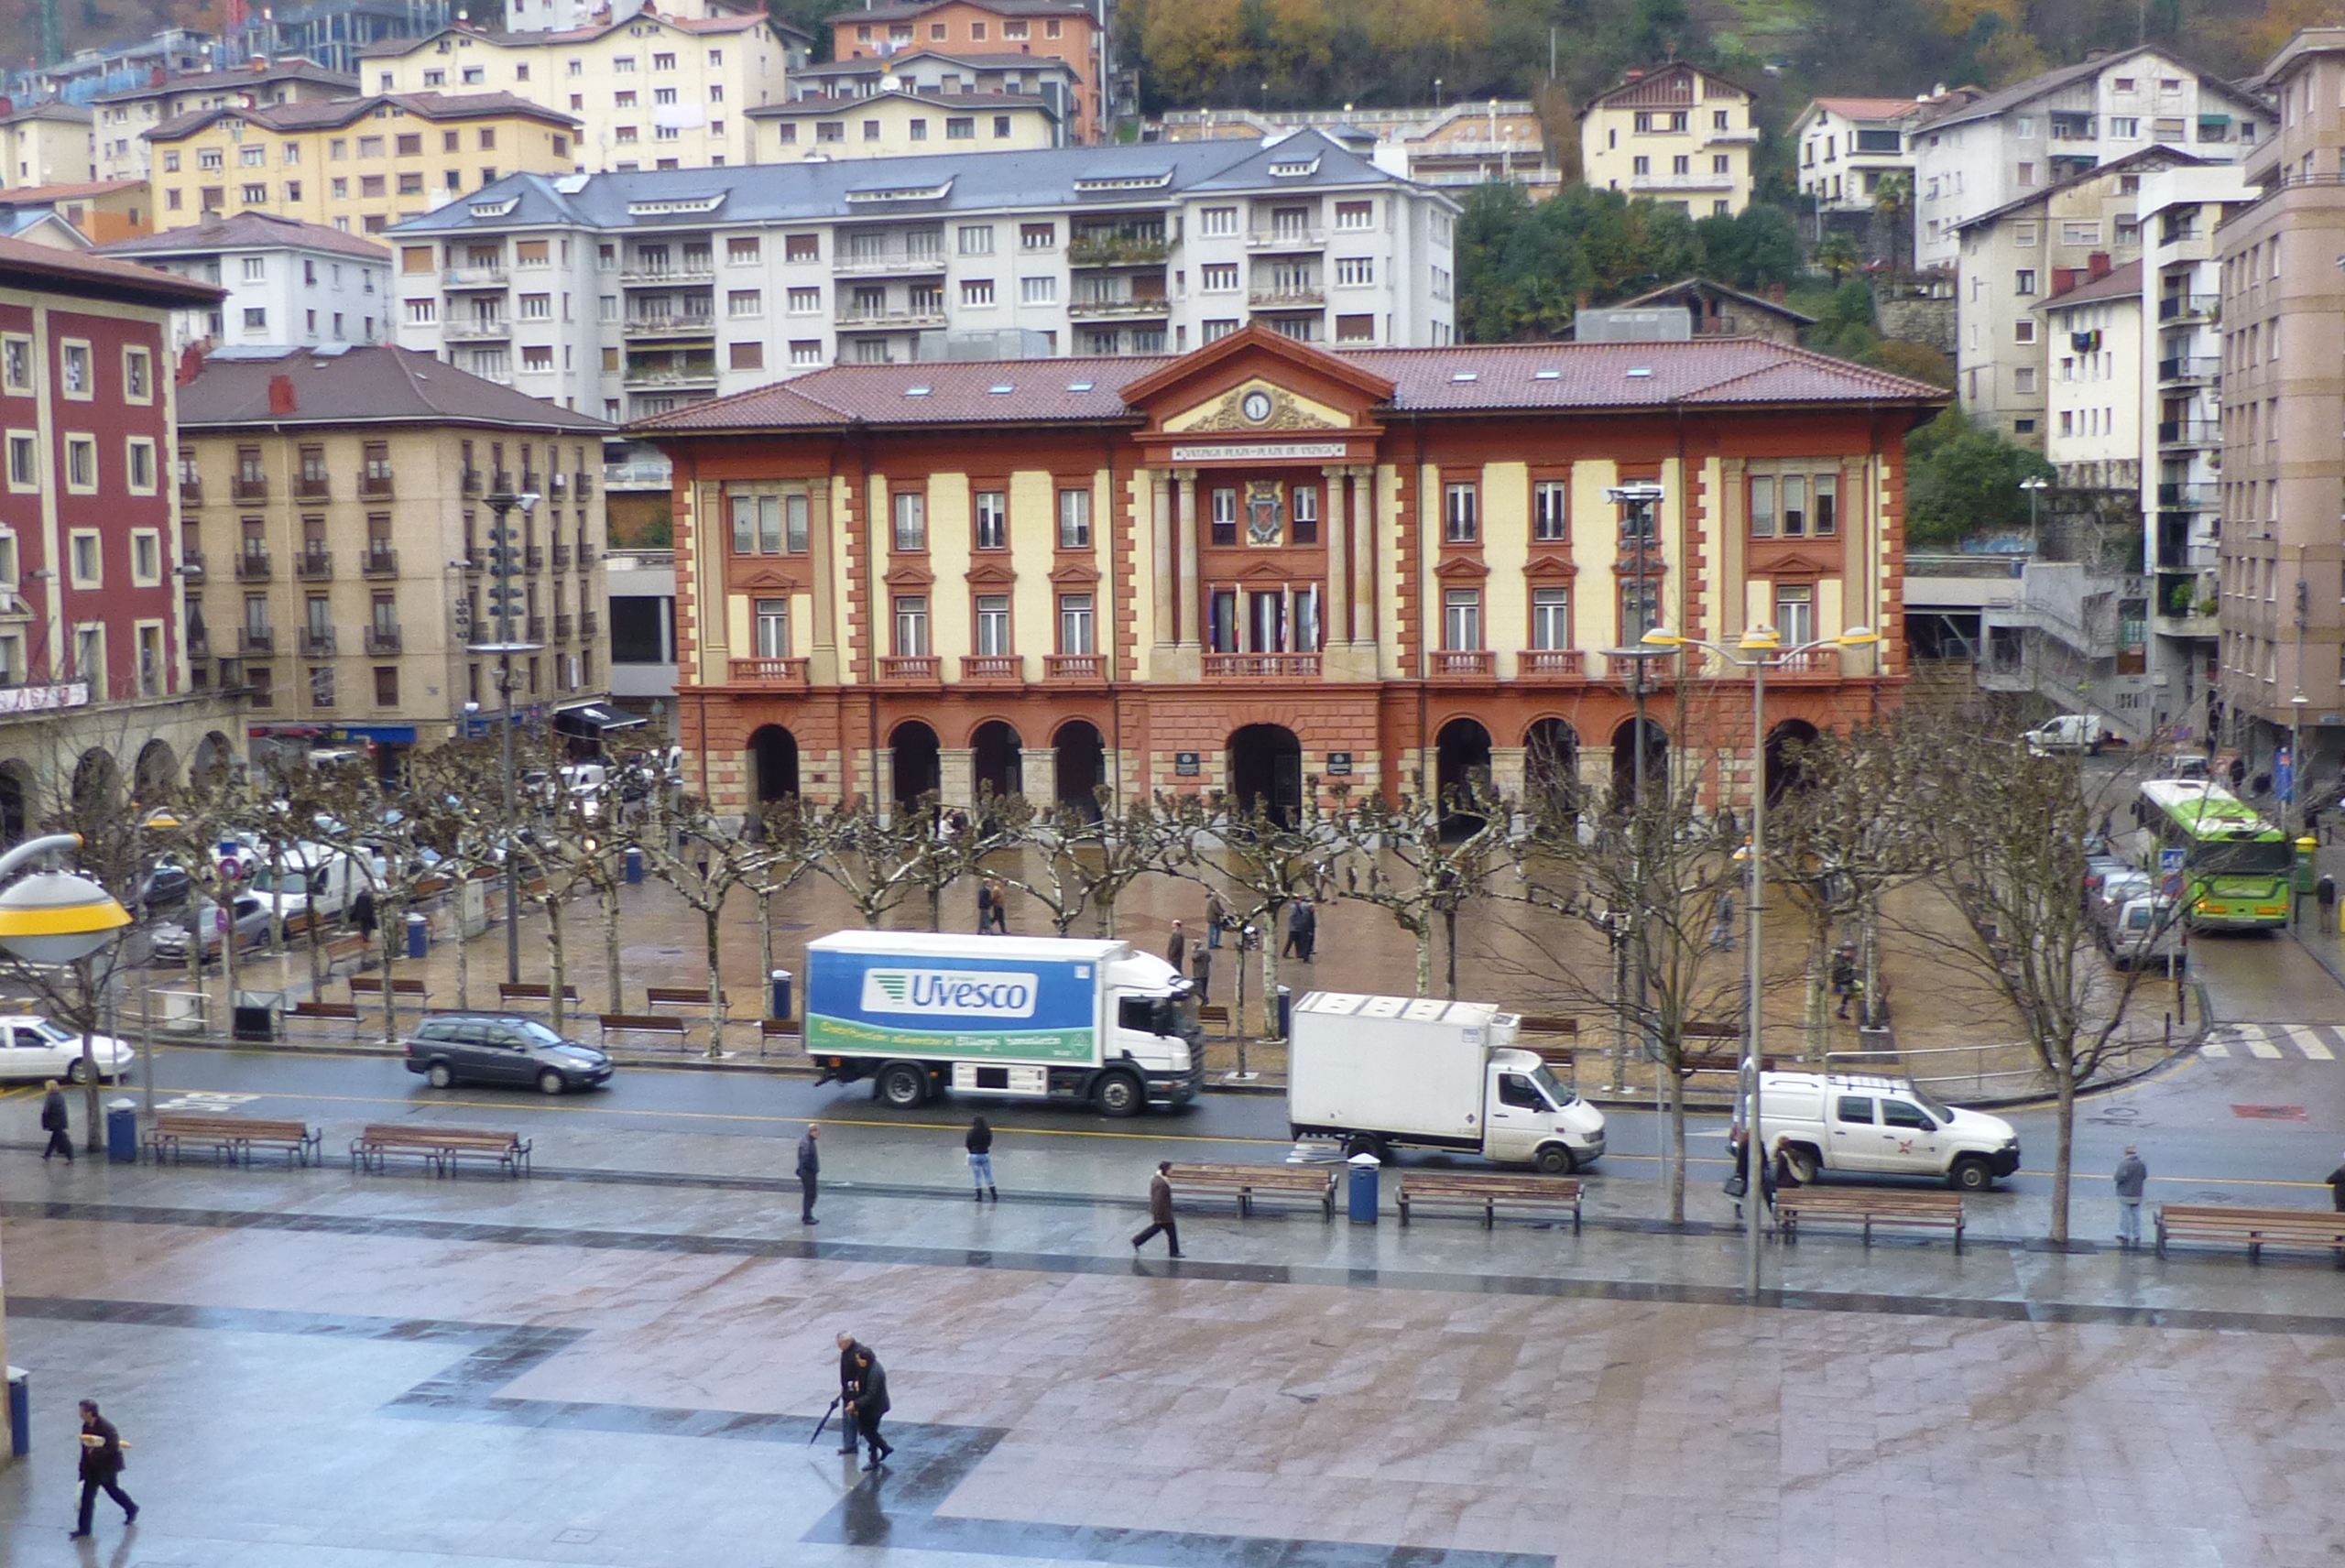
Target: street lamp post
57,918
502,502
1639,504
2034,485
1764,650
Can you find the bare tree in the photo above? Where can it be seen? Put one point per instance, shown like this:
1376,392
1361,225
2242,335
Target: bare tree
1440,854
878,862
1650,873
1083,861
464,780
1260,863
705,860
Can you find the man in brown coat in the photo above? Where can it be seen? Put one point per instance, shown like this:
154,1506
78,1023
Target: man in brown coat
1177,947
1159,1210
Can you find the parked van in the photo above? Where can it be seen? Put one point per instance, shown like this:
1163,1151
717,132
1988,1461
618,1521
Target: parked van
2069,732
2145,929
309,876
1882,1127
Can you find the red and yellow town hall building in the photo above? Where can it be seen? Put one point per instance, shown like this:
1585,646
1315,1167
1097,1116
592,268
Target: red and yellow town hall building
1260,562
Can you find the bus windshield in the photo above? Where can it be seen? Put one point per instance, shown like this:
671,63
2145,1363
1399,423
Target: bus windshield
2243,857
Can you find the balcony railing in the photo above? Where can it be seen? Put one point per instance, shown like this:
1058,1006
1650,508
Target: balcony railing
199,643
533,558
191,491
472,481
888,261
375,487
314,487
564,628
537,628
249,489
1812,663
1074,666
1681,181
1117,250
261,641
585,557
1550,662
1455,662
254,566
851,315
590,624
650,473
993,666
2189,497
769,672
317,642
1262,666
1287,298
2190,433
667,375
685,324
2190,367
583,482
636,274
381,561
313,564
1286,239
2185,307
1101,310
486,276
191,559
909,666
382,639
560,557
477,328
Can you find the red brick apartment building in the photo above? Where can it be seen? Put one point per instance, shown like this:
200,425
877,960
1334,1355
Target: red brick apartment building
1260,562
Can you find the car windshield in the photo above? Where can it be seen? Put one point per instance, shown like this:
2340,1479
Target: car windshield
50,1031
1922,1098
1558,1095
533,1032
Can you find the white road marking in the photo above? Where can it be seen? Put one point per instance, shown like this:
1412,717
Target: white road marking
2214,1047
2257,1041
2308,1041
204,1100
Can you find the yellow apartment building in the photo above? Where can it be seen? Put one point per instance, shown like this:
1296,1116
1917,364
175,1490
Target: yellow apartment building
47,144
650,91
1679,135
358,165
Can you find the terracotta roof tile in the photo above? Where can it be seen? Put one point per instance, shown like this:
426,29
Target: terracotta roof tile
377,384
247,230
42,195
24,264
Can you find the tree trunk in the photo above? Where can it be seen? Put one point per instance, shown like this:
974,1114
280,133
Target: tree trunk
2064,1157
394,927
227,949
1870,1012
1425,958
935,907
765,934
1676,1085
610,892
314,929
91,1115
463,884
1819,960
1449,926
1271,976
557,960
711,916
276,900
1238,1012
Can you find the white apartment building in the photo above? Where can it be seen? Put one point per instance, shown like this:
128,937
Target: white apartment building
652,91
626,295
565,15
899,122
1679,135
1976,157
2181,396
2014,258
2092,414
290,285
122,118
1846,144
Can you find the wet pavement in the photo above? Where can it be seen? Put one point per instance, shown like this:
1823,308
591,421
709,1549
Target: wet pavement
620,1360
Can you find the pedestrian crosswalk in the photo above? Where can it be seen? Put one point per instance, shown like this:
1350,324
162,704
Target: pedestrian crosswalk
2314,1043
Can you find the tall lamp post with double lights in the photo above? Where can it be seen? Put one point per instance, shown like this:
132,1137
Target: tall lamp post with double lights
54,918
1639,504
2034,485
1759,650
503,547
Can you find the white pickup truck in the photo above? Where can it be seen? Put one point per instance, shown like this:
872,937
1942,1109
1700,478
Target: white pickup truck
2069,732
1882,1127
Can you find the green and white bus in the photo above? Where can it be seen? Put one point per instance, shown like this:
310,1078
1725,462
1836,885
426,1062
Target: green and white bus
2237,868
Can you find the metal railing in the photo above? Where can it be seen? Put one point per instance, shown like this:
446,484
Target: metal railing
314,487
313,564
1286,239
382,639
253,489
1260,666
317,641
375,486
382,561
254,566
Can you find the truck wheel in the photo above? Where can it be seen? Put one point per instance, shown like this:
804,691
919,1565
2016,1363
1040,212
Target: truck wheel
1361,1143
902,1085
1552,1160
1803,1163
1118,1094
1972,1174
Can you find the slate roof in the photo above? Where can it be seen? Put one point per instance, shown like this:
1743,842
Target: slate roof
740,22
250,231
1032,178
1992,103
51,109
2157,154
1685,285
197,80
47,195
337,112
24,264
378,385
972,101
1872,108
1496,378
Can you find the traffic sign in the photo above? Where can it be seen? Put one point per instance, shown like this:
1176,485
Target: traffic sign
2170,859
231,869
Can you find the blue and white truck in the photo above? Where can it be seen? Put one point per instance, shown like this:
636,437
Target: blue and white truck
1039,1017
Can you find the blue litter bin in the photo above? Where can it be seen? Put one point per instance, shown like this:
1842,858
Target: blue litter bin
122,1132
634,865
1363,1189
418,936
778,994
20,1411
1286,1013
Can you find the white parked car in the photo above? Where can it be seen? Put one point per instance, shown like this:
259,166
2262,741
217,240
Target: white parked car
35,1048
1881,1125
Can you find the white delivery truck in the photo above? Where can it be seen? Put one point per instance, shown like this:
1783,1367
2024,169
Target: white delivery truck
1045,1017
1381,1072
309,876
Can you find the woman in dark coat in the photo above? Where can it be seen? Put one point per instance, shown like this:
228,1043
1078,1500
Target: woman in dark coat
870,1404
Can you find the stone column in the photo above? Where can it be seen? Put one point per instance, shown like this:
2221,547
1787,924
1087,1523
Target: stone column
1191,615
1364,531
822,667
1039,777
1338,623
955,776
1506,771
1161,558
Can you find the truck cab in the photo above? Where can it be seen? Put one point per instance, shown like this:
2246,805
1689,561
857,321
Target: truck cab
1528,1114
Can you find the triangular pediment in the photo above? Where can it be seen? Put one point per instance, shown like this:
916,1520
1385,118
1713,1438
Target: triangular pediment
1550,569
1256,381
1459,568
911,573
992,573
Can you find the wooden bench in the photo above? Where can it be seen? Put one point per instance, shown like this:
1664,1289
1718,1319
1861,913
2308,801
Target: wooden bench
509,991
1247,1182
643,1023
681,996
1489,1192
1913,1210
441,1148
1213,1013
780,1029
231,1138
2259,1228
310,1007
372,985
